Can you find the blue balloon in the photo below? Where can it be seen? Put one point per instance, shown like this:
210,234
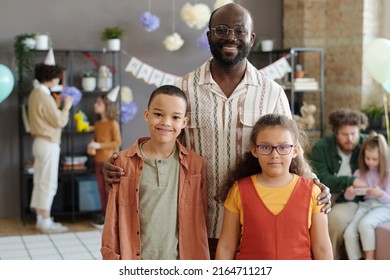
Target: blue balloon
6,82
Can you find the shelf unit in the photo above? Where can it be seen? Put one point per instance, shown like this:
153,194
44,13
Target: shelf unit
66,201
261,59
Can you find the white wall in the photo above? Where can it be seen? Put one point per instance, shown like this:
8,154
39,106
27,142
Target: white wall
386,19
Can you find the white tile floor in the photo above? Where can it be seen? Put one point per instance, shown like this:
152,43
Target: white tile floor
83,245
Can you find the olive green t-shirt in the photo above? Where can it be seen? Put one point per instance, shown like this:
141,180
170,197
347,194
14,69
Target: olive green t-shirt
158,208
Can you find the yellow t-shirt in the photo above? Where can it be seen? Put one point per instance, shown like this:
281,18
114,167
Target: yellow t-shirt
274,198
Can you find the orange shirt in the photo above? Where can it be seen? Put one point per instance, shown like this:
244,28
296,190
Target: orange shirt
108,134
282,236
121,234
274,198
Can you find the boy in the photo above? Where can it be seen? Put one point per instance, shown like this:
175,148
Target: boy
160,204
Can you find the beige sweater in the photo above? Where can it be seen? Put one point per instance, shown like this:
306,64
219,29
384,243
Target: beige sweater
46,120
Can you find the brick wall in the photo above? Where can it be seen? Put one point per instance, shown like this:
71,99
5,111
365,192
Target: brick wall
342,28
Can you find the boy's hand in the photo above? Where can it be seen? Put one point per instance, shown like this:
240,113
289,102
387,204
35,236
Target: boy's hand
111,172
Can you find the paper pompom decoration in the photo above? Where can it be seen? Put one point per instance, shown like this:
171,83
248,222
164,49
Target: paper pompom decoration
203,42
149,21
220,3
74,92
173,42
126,95
128,112
197,15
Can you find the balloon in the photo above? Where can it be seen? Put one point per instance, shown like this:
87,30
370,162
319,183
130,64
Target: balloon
74,92
6,82
376,59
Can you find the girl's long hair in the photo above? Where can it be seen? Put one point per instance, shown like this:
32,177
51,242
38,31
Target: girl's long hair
112,108
375,141
249,165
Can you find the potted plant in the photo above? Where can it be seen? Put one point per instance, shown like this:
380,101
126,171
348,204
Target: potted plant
375,115
88,80
113,35
24,51
42,41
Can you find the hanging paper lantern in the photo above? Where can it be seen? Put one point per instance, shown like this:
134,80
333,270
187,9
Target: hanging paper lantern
149,21
74,92
197,15
128,112
173,42
126,95
203,42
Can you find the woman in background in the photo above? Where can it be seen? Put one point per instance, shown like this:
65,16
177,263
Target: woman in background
46,121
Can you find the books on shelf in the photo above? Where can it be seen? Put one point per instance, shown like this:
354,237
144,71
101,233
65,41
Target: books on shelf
75,162
75,159
306,84
79,166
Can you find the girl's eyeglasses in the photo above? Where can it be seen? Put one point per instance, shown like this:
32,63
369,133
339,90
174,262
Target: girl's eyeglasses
265,150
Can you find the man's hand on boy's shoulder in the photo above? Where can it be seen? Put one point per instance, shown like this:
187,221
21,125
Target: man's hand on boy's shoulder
324,197
112,173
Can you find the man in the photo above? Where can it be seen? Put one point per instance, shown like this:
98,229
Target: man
335,158
227,95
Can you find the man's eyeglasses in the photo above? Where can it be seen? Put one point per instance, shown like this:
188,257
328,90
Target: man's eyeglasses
221,31
265,150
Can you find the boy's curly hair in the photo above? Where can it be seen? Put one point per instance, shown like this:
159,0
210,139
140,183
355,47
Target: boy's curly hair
46,73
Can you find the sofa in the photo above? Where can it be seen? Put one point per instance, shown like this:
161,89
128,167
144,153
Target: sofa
382,235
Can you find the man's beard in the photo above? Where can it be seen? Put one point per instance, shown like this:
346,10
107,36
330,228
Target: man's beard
347,148
217,54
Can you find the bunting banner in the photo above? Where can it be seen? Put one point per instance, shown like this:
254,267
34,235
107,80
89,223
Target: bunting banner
149,74
277,69
93,60
152,76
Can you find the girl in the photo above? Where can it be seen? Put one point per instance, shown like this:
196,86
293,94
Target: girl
271,212
374,165
107,139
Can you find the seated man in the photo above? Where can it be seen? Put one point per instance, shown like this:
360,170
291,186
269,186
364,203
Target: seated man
334,159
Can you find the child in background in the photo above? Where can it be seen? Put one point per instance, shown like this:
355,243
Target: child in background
374,168
158,210
107,139
271,210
